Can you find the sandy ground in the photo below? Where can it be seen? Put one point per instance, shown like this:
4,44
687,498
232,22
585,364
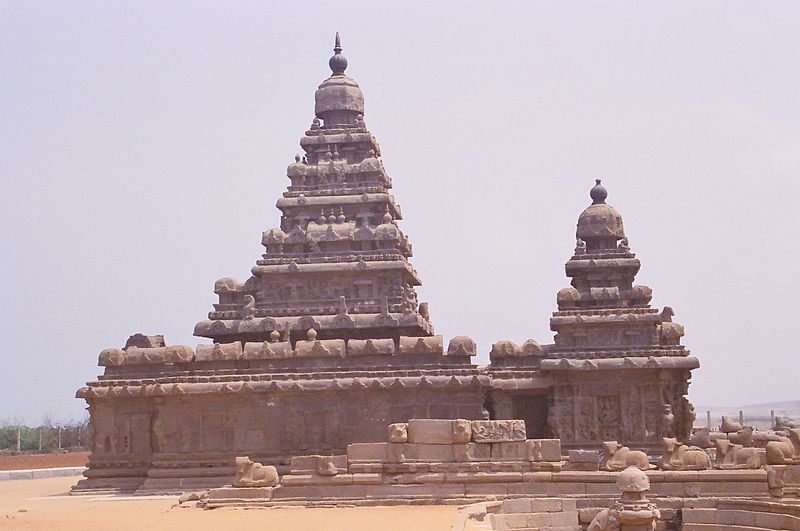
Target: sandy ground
45,504
25,461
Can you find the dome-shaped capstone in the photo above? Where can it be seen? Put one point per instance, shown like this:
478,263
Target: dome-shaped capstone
338,100
600,225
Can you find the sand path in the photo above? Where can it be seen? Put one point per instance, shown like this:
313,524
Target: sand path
45,504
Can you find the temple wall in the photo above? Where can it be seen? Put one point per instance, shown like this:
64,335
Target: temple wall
635,407
129,436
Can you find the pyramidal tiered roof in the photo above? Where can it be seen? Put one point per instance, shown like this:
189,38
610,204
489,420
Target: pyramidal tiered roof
338,264
603,314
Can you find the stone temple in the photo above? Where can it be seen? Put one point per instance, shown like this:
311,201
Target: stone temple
325,344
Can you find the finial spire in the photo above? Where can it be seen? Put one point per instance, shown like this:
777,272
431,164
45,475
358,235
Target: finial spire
338,62
598,193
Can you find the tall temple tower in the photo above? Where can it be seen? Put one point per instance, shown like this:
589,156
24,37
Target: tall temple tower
617,366
324,345
338,264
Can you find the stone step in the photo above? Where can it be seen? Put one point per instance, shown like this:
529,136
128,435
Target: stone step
726,527
517,521
738,519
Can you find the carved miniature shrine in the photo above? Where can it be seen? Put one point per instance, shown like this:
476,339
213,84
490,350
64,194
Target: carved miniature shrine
326,344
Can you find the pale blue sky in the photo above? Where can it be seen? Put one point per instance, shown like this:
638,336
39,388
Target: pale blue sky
143,146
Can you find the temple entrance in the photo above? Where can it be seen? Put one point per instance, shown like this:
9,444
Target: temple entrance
533,410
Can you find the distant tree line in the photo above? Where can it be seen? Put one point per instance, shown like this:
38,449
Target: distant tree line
51,435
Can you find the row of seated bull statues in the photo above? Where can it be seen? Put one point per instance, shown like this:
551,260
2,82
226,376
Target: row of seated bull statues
463,441
743,449
277,349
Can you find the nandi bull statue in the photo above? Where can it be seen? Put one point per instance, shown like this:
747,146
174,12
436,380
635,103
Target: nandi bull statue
633,510
678,456
735,456
251,474
617,457
786,451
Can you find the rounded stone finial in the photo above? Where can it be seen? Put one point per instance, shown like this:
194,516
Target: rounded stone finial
338,62
311,335
274,336
633,480
598,193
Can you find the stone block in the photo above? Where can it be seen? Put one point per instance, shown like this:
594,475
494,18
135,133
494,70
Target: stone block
546,505
544,450
366,452
569,504
370,347
421,345
564,519
516,505
434,452
323,348
505,522
398,433
400,452
583,460
584,456
768,520
435,431
539,520
489,431
510,451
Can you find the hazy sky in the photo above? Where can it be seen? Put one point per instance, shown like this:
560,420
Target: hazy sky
143,146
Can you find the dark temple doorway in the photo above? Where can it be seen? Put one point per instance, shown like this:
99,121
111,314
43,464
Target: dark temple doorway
533,410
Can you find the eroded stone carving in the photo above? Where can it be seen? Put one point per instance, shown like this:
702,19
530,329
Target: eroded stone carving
618,457
487,431
633,511
251,474
785,452
398,433
219,352
678,456
461,346
735,456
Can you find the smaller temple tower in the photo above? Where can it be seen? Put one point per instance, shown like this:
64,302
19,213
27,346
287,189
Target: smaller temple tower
618,369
